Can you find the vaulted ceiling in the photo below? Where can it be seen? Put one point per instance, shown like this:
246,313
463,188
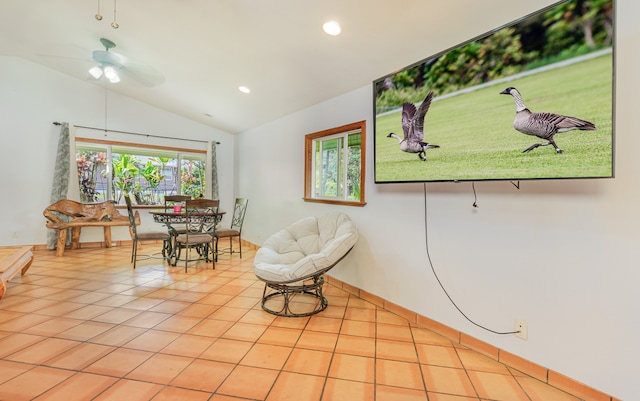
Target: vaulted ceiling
190,56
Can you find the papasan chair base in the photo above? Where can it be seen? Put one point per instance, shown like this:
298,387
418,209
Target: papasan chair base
296,298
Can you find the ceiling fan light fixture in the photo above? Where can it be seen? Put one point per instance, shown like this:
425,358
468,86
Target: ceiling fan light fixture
111,74
115,65
96,72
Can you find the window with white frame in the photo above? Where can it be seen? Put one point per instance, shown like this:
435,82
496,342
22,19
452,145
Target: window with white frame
334,165
107,170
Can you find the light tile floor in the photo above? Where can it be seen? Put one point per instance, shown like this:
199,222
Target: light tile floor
87,326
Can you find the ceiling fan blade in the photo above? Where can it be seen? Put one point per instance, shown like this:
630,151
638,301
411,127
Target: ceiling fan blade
144,74
64,52
107,57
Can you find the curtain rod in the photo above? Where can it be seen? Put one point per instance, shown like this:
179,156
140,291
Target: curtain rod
136,133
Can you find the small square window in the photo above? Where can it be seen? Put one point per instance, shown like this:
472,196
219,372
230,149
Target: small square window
334,165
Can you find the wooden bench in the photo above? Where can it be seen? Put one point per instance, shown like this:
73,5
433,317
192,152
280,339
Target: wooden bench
79,215
13,259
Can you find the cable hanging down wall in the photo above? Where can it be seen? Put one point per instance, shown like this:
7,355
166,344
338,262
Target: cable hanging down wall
138,134
433,270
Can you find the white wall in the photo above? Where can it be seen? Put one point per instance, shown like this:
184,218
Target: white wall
562,255
31,99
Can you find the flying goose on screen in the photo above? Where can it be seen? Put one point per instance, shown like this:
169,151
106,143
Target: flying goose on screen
543,125
413,127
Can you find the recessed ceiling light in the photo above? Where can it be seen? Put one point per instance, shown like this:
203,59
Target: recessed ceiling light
332,28
244,89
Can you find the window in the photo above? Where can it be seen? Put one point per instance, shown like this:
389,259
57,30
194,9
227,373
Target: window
334,165
107,170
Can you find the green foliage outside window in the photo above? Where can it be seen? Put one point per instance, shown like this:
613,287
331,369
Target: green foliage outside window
330,180
90,165
565,31
124,173
146,178
192,178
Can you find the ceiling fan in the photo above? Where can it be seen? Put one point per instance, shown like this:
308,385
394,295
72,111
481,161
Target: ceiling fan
114,65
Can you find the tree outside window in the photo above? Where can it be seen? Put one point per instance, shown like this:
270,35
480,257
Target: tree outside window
192,179
91,166
108,171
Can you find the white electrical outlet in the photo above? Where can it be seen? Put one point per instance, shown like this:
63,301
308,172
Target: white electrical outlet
14,234
522,329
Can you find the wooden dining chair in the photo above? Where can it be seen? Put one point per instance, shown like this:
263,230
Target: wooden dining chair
145,235
201,216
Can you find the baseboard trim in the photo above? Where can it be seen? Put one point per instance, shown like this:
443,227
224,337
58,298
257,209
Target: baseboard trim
550,377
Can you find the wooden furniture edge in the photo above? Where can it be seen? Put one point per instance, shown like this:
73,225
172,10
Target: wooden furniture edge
20,260
77,225
70,214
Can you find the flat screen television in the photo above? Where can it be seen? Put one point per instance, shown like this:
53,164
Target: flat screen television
559,59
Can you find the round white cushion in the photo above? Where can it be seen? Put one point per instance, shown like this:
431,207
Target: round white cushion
306,246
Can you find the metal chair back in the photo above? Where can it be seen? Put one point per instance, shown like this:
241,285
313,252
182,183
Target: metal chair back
201,218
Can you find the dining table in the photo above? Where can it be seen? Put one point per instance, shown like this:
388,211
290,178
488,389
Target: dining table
175,219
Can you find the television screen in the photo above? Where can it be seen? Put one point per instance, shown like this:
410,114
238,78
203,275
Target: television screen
530,100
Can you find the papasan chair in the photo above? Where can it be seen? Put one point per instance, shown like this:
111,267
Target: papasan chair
292,262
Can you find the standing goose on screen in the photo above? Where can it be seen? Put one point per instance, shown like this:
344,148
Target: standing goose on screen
543,125
413,127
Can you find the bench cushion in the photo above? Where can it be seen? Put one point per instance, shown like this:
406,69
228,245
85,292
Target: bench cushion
305,247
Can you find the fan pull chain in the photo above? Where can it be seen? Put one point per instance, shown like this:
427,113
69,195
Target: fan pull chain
106,109
98,15
114,24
